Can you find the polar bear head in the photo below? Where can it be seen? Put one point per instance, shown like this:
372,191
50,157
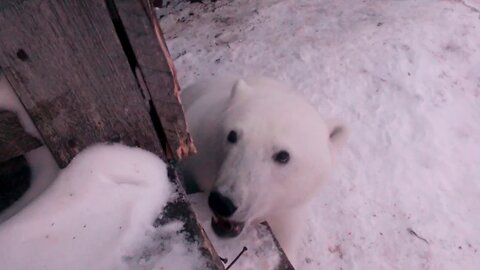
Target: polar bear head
276,153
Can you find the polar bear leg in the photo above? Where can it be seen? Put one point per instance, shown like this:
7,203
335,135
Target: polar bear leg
287,227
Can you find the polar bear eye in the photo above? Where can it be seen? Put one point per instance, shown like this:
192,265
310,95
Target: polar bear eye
232,137
281,157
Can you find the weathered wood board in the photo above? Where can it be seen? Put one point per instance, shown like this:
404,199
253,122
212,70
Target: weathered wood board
59,56
155,72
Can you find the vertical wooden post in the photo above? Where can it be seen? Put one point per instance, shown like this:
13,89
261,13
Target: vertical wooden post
146,47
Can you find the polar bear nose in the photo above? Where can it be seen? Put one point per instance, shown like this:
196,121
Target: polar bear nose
220,204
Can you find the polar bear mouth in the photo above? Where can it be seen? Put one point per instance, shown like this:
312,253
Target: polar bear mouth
226,228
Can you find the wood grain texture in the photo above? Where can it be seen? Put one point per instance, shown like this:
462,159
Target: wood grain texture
156,72
14,141
66,64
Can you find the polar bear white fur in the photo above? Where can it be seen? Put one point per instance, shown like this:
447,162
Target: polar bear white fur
267,119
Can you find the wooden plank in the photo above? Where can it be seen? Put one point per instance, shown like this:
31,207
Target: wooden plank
156,72
14,141
74,78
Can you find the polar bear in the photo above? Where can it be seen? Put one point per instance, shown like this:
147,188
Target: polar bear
263,153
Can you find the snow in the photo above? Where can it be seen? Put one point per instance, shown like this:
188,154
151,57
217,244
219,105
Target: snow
167,248
262,253
98,214
405,77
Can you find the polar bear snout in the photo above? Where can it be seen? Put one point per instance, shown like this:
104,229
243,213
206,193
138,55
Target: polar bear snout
221,205
223,208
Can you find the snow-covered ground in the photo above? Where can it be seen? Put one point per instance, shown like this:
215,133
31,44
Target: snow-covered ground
99,214
405,76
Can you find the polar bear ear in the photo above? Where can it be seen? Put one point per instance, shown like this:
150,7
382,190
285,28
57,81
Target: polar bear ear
240,90
338,134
